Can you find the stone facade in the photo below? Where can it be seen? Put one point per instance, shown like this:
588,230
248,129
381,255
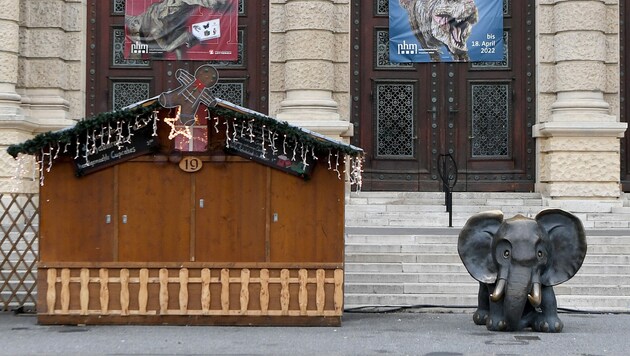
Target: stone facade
578,126
42,51
42,81
310,64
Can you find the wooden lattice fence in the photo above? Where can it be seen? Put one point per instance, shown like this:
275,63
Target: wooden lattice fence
19,224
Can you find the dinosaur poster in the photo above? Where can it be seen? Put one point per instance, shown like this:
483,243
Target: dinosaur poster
181,29
446,31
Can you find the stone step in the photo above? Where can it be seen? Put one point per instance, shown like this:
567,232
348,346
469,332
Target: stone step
589,269
447,249
591,259
447,277
451,239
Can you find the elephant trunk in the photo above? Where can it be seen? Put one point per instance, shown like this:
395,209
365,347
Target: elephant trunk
516,295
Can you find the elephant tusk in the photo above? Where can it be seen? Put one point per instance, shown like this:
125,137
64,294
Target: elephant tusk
534,297
498,291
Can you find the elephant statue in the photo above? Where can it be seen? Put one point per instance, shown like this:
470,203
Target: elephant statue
517,262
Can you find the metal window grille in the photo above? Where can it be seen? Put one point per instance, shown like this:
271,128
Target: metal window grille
127,93
490,120
395,120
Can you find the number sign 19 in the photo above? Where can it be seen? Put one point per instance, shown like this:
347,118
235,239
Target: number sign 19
190,164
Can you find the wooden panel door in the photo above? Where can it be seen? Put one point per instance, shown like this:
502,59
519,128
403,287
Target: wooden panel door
307,217
77,216
154,212
410,114
231,212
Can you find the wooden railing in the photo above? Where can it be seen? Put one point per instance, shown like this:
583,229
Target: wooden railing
192,291
19,219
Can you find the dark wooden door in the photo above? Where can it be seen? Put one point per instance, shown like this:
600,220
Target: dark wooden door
154,208
78,216
114,82
407,115
624,28
231,212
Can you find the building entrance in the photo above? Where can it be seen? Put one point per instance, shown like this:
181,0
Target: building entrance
114,82
407,115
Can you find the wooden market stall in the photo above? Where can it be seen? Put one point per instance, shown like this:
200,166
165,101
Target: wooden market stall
139,228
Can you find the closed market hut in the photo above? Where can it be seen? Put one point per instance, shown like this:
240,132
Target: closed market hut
231,217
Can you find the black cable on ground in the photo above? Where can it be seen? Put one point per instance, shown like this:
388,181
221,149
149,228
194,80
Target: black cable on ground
378,309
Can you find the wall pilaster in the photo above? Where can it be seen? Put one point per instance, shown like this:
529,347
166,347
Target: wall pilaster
42,76
578,129
309,48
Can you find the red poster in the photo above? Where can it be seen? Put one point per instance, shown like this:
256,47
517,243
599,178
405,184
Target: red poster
204,30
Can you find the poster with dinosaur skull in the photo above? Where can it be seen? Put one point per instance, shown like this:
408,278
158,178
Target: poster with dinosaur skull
181,30
446,31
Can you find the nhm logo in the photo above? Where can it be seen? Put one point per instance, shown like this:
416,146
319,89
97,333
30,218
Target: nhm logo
139,48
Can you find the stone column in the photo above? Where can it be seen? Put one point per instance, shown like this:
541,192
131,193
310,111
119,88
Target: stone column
578,126
9,47
14,127
310,56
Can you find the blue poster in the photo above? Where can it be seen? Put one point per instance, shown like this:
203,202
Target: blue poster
445,30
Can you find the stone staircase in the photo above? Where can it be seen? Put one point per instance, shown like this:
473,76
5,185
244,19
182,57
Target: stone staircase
400,252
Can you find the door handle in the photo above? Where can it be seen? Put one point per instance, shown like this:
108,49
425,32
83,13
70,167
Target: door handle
124,219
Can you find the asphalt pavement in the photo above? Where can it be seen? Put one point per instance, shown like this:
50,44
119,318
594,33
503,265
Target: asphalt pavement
415,332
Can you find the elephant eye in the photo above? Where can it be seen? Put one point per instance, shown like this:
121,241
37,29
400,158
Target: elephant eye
506,253
540,254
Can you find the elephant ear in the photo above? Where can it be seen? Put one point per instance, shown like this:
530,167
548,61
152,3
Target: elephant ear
475,245
568,245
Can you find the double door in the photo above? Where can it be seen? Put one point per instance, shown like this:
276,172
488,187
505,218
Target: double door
114,82
410,117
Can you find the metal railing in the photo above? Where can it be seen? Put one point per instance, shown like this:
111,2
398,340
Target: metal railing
447,169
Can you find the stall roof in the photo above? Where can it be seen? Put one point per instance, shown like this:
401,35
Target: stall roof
146,107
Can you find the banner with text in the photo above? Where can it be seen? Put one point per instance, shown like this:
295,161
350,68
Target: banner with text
445,31
181,29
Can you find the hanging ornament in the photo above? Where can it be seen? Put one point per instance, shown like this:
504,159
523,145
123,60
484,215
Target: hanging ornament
50,159
337,165
329,154
234,129
227,134
155,126
264,151
250,128
216,125
129,133
41,168
284,145
77,148
304,152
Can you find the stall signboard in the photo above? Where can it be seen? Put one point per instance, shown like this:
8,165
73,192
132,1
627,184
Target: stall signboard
111,146
446,31
204,30
275,151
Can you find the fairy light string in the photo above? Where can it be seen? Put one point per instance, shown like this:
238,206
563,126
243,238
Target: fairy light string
117,127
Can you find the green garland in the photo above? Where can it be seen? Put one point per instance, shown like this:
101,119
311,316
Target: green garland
293,132
44,140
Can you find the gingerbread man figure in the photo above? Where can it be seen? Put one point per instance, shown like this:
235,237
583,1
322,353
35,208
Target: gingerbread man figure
193,91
